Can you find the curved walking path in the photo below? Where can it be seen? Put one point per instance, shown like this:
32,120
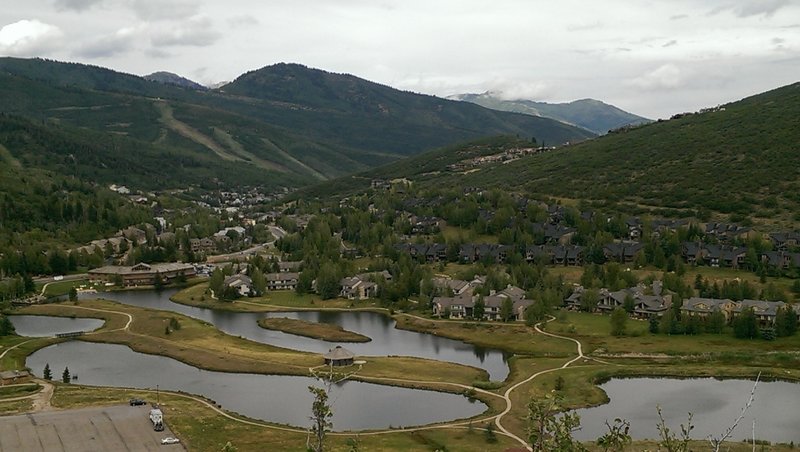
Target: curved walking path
506,395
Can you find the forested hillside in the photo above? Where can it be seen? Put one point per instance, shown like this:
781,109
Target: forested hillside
290,124
738,160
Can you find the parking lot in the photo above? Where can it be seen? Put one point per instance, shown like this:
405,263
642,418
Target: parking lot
116,428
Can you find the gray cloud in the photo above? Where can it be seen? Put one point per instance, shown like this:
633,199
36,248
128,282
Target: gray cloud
679,17
75,5
242,20
759,7
198,32
107,46
670,43
165,9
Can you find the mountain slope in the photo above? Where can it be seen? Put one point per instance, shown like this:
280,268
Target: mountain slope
168,78
589,114
740,159
296,123
346,107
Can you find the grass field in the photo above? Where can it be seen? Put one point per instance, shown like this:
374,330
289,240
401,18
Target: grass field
325,331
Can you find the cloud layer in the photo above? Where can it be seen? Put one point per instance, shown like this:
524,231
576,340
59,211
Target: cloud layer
653,58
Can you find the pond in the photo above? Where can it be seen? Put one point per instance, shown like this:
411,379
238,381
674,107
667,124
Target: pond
715,404
273,398
386,339
43,326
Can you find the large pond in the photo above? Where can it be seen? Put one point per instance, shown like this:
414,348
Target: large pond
40,325
274,398
715,404
386,339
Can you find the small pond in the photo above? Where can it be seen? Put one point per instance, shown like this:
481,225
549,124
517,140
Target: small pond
274,398
41,325
715,404
386,339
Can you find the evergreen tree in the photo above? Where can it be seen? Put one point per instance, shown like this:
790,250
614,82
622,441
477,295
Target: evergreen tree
47,374
619,320
745,325
479,309
715,322
216,282
785,322
259,281
6,327
65,376
653,324
506,310
73,294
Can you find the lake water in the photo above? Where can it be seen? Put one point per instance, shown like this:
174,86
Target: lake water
42,326
386,339
274,398
715,404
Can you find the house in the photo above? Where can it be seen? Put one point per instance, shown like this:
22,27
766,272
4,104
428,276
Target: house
783,241
142,274
623,252
12,377
703,307
242,283
457,286
133,234
289,266
436,253
780,259
726,232
693,252
205,245
635,228
354,288
282,281
724,255
456,307
765,311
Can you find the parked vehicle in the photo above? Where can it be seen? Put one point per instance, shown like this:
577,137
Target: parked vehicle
157,418
137,402
170,440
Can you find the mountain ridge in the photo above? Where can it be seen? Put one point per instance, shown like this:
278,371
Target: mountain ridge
309,122
591,114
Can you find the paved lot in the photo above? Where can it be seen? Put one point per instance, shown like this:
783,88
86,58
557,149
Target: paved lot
116,428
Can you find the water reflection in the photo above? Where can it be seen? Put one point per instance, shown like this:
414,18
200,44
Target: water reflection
274,398
386,339
715,404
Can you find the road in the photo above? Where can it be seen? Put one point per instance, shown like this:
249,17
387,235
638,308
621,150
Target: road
276,231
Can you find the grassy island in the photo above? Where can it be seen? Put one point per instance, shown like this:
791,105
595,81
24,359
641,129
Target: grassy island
324,331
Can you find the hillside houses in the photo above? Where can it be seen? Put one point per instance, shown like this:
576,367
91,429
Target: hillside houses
241,283
282,280
645,305
569,255
714,255
457,300
362,286
623,252
765,311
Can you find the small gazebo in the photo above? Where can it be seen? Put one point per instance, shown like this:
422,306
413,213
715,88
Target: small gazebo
339,356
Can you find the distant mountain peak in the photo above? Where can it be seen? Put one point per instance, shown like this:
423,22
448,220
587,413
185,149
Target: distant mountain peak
591,114
169,78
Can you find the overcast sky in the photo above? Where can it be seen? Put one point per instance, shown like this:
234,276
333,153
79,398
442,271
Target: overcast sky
653,58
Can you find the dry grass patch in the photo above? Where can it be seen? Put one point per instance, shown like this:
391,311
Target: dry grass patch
325,331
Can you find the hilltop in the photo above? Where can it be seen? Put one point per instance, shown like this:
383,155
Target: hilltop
168,78
292,124
737,160
590,114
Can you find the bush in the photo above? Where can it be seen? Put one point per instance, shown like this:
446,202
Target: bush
487,385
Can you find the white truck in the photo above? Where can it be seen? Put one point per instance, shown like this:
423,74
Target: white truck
157,418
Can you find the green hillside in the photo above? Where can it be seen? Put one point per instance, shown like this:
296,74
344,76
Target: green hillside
590,114
291,124
739,160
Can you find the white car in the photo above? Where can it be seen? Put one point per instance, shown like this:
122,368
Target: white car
170,440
